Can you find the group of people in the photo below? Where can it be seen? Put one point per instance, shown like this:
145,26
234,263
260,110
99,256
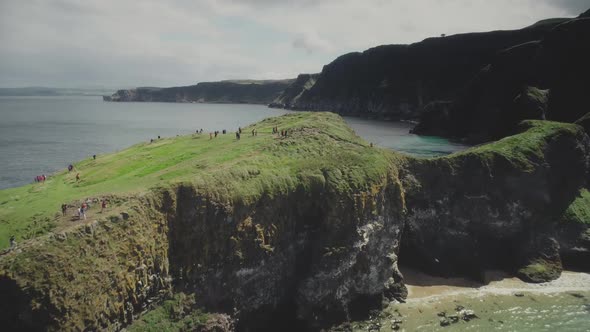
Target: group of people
40,178
81,211
275,130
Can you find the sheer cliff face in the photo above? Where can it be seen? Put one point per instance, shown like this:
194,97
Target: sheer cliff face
324,251
397,81
312,257
487,209
536,80
248,92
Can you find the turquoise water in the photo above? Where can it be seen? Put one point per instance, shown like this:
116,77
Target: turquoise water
39,135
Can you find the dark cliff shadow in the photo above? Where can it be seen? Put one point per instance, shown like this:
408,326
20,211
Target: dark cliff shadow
15,311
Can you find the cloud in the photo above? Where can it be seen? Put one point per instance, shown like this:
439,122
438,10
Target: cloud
571,7
117,43
311,42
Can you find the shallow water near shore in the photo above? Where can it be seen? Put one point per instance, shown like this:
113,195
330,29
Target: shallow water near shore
40,135
560,305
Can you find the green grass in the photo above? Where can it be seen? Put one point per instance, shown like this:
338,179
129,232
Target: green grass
579,210
176,314
320,148
522,150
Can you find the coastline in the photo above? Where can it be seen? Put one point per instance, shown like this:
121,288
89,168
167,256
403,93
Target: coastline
502,303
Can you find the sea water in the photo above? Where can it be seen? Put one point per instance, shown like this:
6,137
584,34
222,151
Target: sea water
503,303
40,135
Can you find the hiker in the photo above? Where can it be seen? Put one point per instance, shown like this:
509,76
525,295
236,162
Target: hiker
240,130
70,167
77,177
94,156
12,242
83,209
158,136
224,132
237,135
103,205
253,130
64,209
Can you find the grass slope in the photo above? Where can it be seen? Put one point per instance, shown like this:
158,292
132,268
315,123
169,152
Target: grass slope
319,146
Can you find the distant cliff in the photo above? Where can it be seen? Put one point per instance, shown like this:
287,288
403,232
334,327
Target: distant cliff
242,91
398,81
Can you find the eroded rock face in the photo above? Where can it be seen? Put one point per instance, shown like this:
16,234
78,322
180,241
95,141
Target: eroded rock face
483,209
305,258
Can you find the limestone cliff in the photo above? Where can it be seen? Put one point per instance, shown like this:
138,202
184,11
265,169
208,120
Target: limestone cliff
304,231
238,91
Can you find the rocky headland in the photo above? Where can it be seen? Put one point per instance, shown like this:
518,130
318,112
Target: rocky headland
301,232
231,91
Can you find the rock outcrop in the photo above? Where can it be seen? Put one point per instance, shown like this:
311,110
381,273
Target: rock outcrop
246,91
319,246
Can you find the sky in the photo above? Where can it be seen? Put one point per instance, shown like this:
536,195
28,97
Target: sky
123,44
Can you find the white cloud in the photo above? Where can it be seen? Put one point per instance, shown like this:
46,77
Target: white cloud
124,43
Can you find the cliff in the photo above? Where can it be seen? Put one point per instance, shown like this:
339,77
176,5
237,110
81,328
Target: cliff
298,232
535,80
237,91
399,81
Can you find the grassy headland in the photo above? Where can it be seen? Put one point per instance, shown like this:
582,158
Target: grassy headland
227,169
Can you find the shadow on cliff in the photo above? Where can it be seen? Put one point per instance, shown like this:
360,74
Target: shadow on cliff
15,310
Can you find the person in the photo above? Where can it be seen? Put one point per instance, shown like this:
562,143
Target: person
158,136
253,130
12,242
70,167
224,132
151,140
103,205
77,177
64,209
83,209
201,131
237,135
240,130
94,156
216,132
